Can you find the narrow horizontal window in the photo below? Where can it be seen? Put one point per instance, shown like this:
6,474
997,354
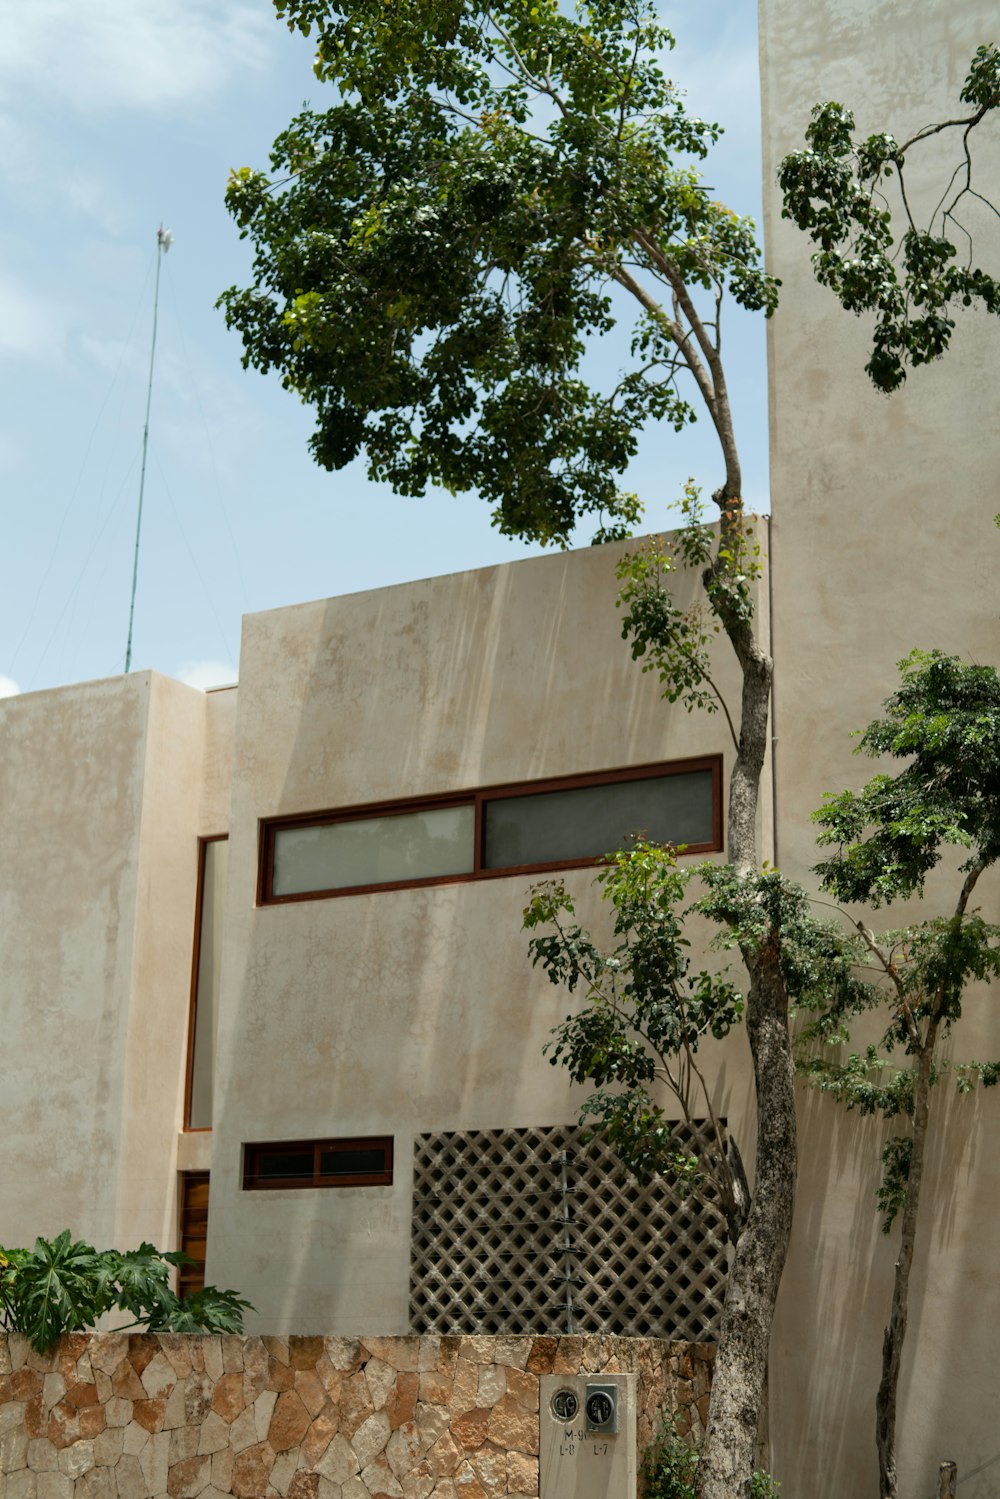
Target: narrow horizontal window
521,829
318,1163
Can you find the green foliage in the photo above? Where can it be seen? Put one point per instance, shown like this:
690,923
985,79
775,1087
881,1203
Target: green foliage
835,191
669,1469
64,1285
648,1009
944,720
433,253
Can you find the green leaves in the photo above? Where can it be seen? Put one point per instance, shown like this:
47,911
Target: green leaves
65,1285
910,275
435,252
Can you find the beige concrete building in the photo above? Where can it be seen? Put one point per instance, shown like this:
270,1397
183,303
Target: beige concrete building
273,933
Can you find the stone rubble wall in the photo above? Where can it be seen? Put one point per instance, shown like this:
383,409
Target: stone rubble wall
155,1416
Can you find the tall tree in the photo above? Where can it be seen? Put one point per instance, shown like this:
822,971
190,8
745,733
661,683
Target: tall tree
498,185
944,723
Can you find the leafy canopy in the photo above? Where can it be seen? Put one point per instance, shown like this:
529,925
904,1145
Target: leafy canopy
434,252
65,1285
911,277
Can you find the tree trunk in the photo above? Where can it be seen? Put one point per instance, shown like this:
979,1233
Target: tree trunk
730,1451
892,1343
729,1454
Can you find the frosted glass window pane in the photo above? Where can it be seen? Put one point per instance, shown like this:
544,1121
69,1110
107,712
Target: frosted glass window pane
374,850
587,821
206,1000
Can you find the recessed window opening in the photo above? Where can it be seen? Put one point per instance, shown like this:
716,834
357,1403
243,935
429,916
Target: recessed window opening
213,866
364,1162
518,829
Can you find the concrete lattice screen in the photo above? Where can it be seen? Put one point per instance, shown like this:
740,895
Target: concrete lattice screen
534,1230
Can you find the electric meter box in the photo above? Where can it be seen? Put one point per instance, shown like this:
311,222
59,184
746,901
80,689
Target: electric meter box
587,1436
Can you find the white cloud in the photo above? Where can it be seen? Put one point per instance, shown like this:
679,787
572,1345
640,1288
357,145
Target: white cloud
153,55
205,674
8,687
29,326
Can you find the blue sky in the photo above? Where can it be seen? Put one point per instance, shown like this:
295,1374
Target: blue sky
115,117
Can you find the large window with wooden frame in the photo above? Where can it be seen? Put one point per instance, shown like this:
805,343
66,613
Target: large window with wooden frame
517,829
359,1162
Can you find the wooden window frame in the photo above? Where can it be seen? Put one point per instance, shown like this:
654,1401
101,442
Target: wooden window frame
252,1153
271,826
189,1128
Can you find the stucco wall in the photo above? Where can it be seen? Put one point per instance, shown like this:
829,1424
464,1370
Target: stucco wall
406,1011
882,540
119,1416
102,788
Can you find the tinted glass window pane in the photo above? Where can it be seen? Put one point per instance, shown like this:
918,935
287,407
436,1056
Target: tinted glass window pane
588,821
352,1163
374,850
275,1163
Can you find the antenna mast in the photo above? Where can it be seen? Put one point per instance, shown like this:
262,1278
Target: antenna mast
164,239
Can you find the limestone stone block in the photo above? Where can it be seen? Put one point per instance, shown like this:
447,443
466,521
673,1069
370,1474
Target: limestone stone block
222,1469
254,1367
465,1386
103,1385
277,1348
444,1489
429,1353
108,1446
232,1353
187,1478
22,1485
304,1352
154,1460
97,1483
435,1388
492,1384
511,1426
107,1350
243,1432
42,1456
134,1438
11,1416
143,1347
513,1351
175,1410
344,1353
36,1421
478,1350
289,1422
149,1413
445,1456
419,1482
77,1460
283,1472
118,1412
158,1377
319,1436
353,1489
371,1437
380,1378
470,1428
4,1353
401,1401
263,1410
339,1462
432,1420
542,1355
183,1444
569,1355
328,1490
54,1486
378,1478
523,1387
125,1382
19,1350
490,1466
53,1389
467,1485
92,1421
448,1347
213,1434
311,1390
25,1384
198,1393
522,1473
355,1404
13,1450
251,1471
404,1449
212,1349
400,1353
227,1397
304,1486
